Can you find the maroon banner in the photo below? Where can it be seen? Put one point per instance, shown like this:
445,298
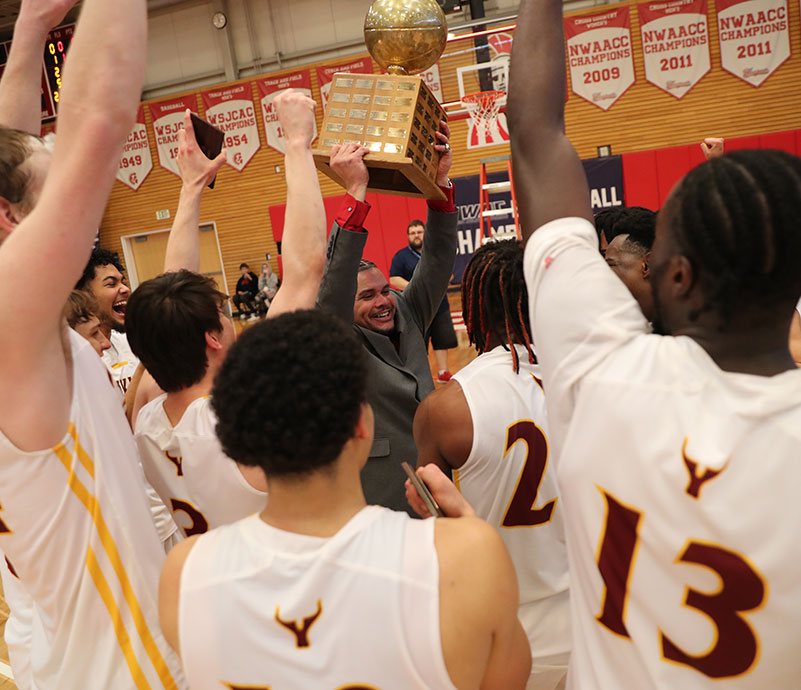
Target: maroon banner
754,37
268,90
326,74
675,44
168,120
136,161
600,56
231,109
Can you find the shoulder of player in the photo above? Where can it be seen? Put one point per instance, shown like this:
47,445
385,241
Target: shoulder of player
472,553
170,588
446,414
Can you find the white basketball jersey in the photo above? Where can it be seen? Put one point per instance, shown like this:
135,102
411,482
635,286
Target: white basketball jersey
680,489
120,360
186,466
264,608
510,481
77,528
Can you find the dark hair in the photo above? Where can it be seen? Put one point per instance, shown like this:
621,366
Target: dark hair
494,297
243,265
166,321
15,149
289,394
413,224
366,265
640,240
626,220
81,306
736,218
99,257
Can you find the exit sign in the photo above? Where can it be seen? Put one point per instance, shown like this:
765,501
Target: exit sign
163,214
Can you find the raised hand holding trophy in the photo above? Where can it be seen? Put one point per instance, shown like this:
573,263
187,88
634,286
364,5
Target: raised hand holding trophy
395,115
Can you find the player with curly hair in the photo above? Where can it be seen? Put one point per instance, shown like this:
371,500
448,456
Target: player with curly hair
321,590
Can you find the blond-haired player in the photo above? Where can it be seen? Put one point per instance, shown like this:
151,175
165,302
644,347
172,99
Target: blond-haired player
75,520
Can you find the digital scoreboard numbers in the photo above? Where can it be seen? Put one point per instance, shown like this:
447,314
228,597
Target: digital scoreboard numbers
56,47
58,42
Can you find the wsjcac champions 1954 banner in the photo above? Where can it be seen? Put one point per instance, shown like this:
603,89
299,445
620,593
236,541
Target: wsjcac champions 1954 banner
231,110
136,161
754,37
600,56
604,176
675,44
268,90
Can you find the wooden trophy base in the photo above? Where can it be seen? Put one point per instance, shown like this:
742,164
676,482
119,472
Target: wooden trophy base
395,117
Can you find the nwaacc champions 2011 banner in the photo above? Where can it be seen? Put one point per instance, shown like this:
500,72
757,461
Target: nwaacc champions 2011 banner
605,178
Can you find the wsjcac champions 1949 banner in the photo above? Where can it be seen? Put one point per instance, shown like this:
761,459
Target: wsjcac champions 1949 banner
675,44
754,37
604,176
268,90
231,110
600,56
136,161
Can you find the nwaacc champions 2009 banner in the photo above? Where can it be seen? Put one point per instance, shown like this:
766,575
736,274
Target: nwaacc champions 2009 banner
605,178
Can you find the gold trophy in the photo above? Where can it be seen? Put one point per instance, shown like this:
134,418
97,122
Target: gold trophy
395,115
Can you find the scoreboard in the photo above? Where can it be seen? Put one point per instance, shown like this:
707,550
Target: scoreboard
55,54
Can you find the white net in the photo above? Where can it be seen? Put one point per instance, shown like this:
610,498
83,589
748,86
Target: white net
483,108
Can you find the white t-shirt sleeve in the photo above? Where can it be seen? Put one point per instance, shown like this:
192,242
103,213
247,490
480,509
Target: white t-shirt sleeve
580,310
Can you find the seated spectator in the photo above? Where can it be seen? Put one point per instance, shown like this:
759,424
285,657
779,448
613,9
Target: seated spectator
81,312
268,286
246,288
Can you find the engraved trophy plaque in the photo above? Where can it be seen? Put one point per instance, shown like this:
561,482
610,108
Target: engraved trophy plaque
394,115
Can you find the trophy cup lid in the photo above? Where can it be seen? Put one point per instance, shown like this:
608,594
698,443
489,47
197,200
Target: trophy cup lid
405,36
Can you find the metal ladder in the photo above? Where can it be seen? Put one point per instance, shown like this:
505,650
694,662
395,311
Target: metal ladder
488,188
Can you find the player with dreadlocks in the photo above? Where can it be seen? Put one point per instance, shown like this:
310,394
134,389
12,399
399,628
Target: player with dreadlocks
471,427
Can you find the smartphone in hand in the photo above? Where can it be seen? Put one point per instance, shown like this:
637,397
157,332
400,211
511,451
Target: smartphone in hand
422,490
209,139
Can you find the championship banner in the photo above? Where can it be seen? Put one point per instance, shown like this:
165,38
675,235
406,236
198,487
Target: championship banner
231,110
168,120
433,81
675,44
754,37
326,74
600,56
136,161
604,176
268,90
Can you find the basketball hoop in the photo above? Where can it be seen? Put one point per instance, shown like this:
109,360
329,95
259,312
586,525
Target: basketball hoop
483,108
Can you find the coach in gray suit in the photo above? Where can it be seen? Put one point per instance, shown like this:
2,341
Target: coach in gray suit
391,325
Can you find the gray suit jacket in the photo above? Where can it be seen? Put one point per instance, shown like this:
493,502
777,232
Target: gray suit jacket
398,380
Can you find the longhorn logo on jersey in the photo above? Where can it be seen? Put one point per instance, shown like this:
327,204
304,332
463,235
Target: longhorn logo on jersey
697,481
301,633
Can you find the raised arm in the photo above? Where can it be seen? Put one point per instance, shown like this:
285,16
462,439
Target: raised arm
303,246
549,177
21,86
429,282
183,245
99,100
346,244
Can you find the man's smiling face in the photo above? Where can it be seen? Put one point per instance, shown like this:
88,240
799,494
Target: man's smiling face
374,307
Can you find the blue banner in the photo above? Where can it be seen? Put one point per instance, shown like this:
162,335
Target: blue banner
605,178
